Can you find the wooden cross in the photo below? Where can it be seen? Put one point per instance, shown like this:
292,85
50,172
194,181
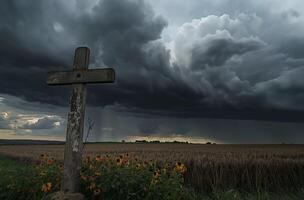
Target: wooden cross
79,77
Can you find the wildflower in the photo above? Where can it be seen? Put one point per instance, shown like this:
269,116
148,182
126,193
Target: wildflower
43,173
60,166
97,173
83,177
156,174
98,158
118,161
92,186
41,156
46,187
155,177
138,166
50,161
87,160
97,191
180,167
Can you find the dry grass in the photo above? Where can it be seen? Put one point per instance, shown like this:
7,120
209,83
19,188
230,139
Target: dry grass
210,167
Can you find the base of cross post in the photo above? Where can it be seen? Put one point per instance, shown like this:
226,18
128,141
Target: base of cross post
64,196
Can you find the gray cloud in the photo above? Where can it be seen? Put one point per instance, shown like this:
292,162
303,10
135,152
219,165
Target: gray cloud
216,66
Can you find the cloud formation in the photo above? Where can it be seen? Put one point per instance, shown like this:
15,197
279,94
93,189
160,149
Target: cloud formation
220,65
43,123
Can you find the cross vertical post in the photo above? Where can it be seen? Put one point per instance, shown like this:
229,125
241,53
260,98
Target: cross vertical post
79,77
74,136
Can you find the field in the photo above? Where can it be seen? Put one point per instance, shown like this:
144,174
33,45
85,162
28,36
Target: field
250,169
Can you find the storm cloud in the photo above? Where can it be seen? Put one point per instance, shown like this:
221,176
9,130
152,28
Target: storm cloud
214,65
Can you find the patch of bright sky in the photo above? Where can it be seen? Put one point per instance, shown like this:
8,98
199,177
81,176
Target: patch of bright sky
18,112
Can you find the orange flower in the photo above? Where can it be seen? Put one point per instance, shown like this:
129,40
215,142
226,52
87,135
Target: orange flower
46,187
50,161
98,158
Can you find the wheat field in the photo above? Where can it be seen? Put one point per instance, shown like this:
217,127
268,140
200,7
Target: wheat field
247,168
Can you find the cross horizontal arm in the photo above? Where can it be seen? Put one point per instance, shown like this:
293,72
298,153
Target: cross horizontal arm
106,75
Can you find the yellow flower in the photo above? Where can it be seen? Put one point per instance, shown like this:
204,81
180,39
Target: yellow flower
42,156
92,186
155,177
46,187
180,167
83,177
97,191
43,173
97,173
60,166
118,161
156,174
138,166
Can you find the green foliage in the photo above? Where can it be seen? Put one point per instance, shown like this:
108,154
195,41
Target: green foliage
124,178
17,181
101,178
113,178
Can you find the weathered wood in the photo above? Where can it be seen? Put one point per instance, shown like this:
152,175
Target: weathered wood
74,144
74,137
106,75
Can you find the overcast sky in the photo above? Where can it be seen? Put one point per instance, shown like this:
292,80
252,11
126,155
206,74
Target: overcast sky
229,71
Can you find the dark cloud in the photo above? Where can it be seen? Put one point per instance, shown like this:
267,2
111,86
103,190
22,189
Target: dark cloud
219,66
219,51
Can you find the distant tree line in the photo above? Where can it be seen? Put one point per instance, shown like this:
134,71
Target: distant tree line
157,142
